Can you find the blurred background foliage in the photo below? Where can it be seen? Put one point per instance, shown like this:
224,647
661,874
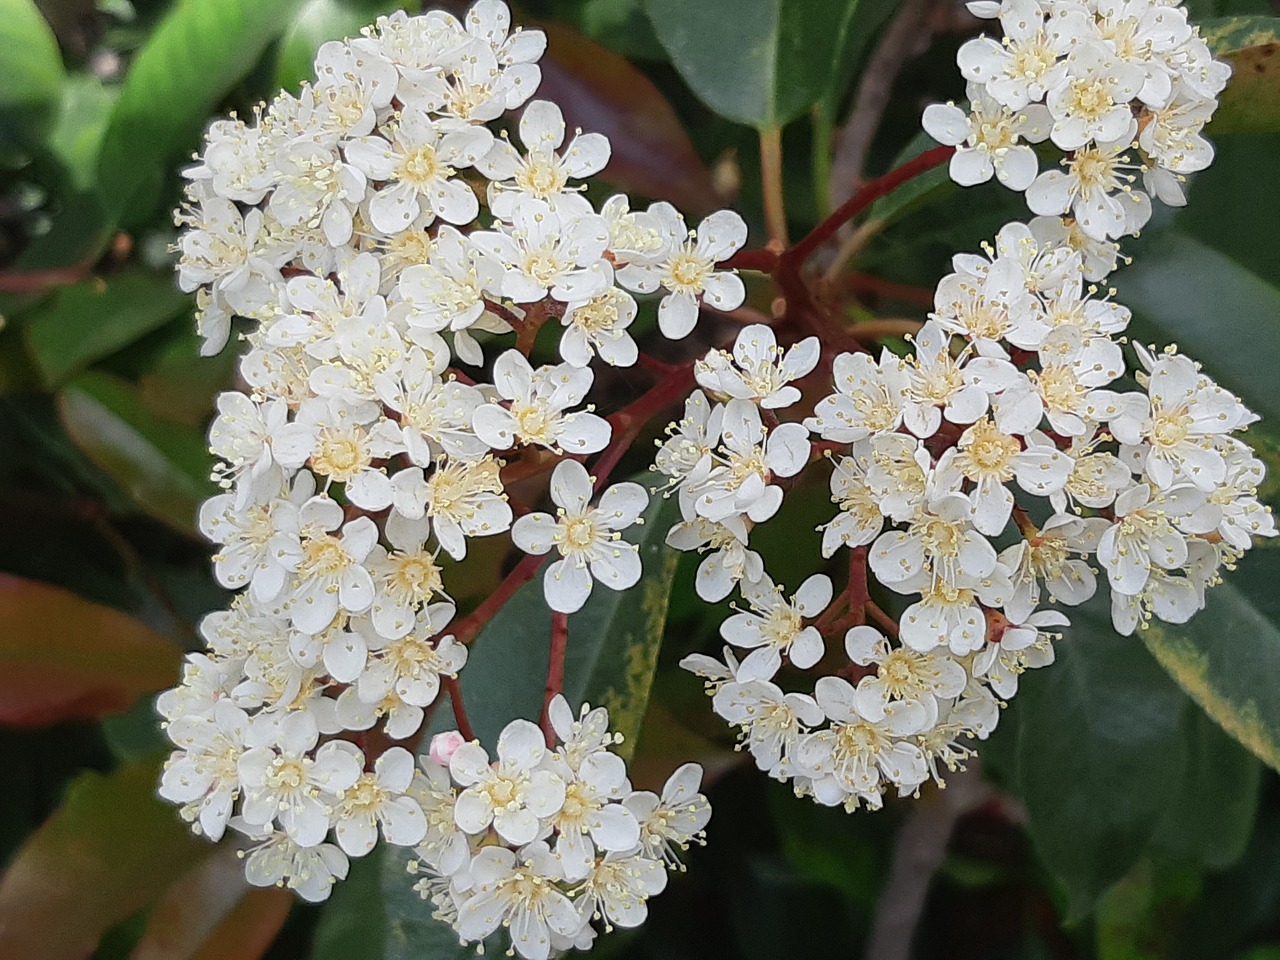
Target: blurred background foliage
1128,806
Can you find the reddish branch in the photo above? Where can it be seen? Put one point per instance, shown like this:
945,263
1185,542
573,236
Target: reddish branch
555,672
459,711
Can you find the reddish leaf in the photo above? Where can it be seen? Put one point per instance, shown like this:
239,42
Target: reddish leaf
111,849
601,92
63,657
212,912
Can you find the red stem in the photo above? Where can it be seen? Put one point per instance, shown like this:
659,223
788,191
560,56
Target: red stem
555,672
459,711
873,191
858,591
887,623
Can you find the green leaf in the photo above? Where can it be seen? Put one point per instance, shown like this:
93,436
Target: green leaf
63,657
612,652
1251,101
76,137
111,849
1210,816
199,51
318,22
162,466
87,321
1228,657
1099,751
31,73
759,62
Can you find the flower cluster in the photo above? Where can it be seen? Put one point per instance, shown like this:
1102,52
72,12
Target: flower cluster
376,233
542,841
1125,87
978,476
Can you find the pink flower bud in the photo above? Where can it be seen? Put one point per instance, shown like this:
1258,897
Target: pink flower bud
443,746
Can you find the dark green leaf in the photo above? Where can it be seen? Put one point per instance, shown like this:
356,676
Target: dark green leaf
31,73
163,466
1228,657
189,62
1209,818
1251,101
318,22
93,319
1099,751
760,62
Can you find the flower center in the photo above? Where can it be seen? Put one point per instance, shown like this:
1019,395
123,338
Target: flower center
420,168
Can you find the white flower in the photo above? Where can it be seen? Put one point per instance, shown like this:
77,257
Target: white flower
518,891
226,251
1094,189
686,455
435,415
990,458
902,675
758,369
242,435
776,626
687,269
1052,554
941,385
851,759
465,499
1146,534
986,140
950,614
545,252
202,774
538,401
418,166
1022,69
290,787
587,538
513,794
592,815
617,889
1026,646
1171,435
673,820
330,575
1240,517
404,578
259,543
747,459
772,722
310,871
378,799
992,308
727,560
860,519
599,326
447,292
1091,102
444,846
411,665
868,399
542,173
